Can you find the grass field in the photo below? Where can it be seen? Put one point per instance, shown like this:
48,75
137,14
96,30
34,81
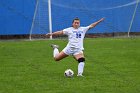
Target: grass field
112,66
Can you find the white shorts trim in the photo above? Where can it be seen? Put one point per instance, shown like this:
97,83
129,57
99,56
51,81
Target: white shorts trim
72,51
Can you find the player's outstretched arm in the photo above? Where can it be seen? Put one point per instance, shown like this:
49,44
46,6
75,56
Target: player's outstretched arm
55,33
95,23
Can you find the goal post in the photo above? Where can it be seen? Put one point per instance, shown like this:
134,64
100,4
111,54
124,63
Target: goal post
42,19
50,17
30,36
131,23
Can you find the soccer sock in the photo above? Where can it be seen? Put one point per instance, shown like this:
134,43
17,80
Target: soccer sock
81,67
55,52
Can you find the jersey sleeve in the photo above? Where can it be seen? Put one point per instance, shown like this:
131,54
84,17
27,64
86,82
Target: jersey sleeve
86,28
65,31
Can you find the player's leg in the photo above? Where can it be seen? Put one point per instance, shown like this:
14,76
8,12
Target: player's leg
58,56
80,58
55,49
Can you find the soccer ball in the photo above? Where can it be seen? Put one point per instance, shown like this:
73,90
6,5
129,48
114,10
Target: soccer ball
68,73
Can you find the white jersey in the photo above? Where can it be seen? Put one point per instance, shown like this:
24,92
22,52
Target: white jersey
75,37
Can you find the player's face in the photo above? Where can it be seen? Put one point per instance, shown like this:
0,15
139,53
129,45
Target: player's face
76,23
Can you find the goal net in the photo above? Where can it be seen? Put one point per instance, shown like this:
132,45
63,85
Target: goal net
40,24
121,17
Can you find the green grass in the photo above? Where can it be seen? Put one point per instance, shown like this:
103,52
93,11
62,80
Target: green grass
112,66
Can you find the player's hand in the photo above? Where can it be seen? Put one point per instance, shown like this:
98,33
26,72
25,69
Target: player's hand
102,19
49,34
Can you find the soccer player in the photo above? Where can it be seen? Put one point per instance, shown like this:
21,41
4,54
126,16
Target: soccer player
75,34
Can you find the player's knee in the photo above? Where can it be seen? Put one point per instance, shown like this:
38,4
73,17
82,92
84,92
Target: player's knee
81,59
56,59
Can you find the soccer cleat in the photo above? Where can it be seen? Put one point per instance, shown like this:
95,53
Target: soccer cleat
80,75
54,46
